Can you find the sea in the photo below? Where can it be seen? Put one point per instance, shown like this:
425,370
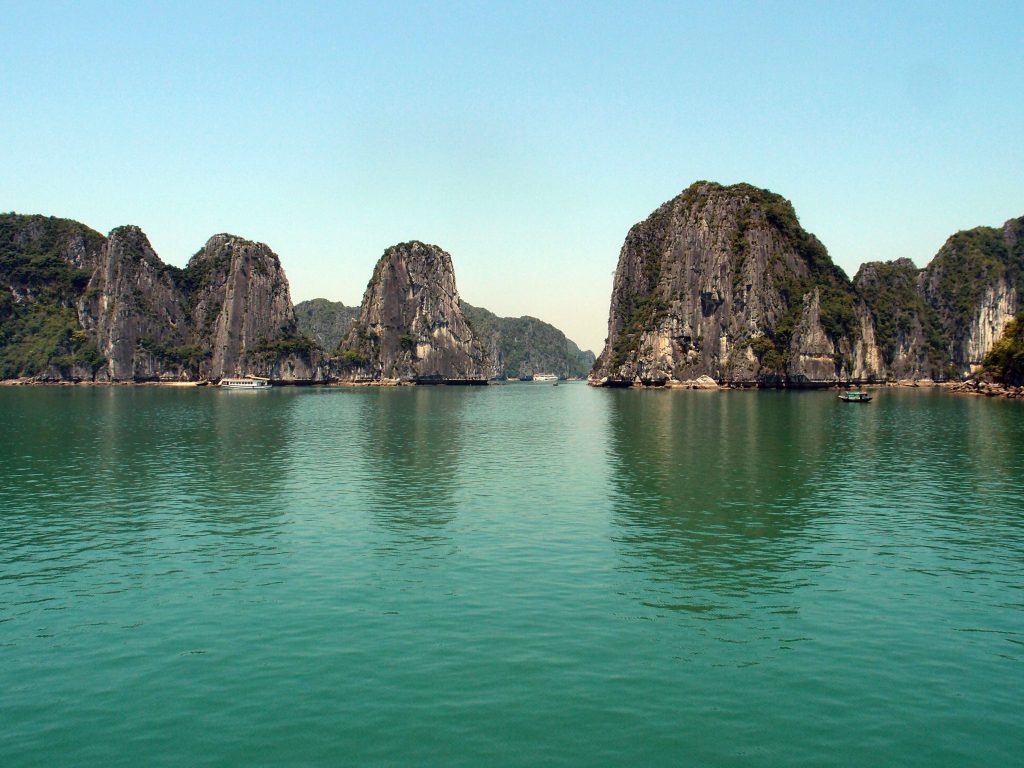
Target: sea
518,575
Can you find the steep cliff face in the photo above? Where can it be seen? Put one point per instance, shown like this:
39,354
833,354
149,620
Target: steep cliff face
723,281
521,346
974,285
906,328
940,321
410,324
1005,361
242,311
76,305
134,308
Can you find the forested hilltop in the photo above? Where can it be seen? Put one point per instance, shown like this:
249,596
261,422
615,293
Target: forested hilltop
519,347
722,281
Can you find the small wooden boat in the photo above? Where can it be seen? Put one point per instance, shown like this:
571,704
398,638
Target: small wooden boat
855,397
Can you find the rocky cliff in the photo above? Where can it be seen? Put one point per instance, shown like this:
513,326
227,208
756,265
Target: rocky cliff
75,305
242,312
1005,361
905,326
513,346
522,346
723,281
134,308
940,321
410,324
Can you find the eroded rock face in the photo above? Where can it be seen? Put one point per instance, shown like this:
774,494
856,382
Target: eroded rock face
939,321
723,282
242,311
973,286
410,324
136,310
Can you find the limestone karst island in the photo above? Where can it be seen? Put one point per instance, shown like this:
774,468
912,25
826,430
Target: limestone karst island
720,286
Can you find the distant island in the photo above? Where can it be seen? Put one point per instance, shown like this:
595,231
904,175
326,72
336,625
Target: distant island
720,284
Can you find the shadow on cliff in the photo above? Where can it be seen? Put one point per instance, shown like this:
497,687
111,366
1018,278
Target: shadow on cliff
714,492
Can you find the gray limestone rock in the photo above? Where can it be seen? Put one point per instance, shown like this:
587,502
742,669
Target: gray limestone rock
410,325
723,282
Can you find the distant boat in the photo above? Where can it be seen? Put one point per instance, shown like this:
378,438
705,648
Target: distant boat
855,397
245,382
545,377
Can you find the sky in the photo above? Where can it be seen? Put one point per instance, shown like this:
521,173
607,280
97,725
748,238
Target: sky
523,138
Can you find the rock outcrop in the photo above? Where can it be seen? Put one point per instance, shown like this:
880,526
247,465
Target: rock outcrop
903,324
242,312
723,282
45,266
75,305
1004,363
410,325
939,322
135,309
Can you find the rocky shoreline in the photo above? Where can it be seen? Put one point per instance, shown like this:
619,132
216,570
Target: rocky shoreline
987,389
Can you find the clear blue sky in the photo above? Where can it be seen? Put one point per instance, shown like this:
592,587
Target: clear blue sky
524,138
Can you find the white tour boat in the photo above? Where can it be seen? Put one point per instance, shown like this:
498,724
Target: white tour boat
245,382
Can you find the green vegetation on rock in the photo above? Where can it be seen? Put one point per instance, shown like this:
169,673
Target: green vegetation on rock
39,285
36,336
901,316
1005,361
186,356
522,346
326,322
968,264
288,346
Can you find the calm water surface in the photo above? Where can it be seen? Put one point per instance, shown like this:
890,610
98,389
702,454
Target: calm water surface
519,575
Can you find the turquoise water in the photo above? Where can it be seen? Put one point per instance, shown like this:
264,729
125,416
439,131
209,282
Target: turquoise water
519,575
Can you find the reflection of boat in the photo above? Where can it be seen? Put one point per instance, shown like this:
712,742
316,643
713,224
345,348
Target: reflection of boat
855,397
245,382
545,377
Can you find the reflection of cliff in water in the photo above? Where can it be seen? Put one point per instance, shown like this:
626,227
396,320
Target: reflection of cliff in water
414,441
149,472
713,492
213,459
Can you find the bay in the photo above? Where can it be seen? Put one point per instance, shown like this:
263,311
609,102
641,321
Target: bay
510,575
